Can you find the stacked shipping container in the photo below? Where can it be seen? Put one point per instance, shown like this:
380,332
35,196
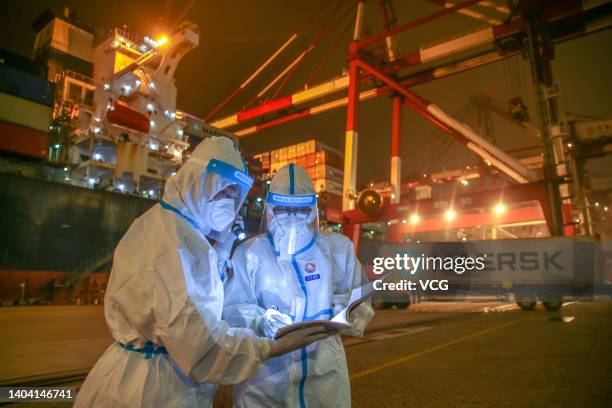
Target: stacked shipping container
322,163
25,107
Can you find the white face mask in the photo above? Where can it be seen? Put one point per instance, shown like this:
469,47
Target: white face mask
291,233
221,214
291,222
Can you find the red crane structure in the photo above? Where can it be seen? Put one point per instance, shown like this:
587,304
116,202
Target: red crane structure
531,27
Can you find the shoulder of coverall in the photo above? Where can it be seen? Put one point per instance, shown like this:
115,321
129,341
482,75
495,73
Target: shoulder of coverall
246,255
161,230
254,244
154,242
336,241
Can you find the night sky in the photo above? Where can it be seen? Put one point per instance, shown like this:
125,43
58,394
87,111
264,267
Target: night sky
237,36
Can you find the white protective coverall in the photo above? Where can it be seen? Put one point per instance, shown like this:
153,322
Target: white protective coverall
165,295
303,273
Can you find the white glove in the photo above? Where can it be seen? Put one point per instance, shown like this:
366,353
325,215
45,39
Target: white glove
271,321
359,318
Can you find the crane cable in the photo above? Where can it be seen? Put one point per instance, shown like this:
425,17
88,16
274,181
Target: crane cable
324,28
295,35
332,49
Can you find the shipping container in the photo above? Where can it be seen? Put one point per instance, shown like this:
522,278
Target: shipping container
329,158
23,141
330,186
320,172
291,152
319,184
300,149
310,146
309,160
300,161
329,200
327,172
335,174
24,112
423,192
23,64
26,86
282,154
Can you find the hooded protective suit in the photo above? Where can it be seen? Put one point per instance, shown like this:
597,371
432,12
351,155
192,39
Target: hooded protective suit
165,295
299,273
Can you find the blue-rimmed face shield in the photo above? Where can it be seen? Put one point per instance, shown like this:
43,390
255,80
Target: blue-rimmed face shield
291,219
223,183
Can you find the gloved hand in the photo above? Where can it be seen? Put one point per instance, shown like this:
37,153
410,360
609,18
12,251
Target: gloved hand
359,318
271,321
297,340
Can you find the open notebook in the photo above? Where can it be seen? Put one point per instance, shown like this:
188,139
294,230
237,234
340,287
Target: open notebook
338,322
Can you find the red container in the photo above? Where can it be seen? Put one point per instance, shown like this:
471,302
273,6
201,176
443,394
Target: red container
309,160
23,140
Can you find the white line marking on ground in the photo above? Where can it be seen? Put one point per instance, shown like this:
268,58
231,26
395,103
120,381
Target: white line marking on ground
502,308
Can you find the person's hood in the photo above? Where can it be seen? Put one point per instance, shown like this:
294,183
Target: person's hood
191,186
291,186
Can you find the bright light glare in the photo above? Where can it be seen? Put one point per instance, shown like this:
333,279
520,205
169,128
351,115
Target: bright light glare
499,209
414,218
450,215
161,41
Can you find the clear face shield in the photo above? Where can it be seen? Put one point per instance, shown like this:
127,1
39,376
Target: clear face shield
226,188
291,221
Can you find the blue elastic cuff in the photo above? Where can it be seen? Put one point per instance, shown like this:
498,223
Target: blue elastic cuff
149,350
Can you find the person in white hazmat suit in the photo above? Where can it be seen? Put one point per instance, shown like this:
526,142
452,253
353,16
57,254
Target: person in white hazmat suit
295,273
165,295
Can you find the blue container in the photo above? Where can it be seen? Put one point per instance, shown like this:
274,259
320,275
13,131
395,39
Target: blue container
26,86
23,64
